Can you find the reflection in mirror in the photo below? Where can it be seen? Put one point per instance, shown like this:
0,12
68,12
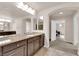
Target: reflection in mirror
35,24
40,24
4,26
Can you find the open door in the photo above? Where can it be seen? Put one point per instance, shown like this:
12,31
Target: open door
53,30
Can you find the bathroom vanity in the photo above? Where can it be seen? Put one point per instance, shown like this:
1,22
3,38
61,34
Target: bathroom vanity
21,45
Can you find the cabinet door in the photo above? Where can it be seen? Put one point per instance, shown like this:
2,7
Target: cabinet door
30,48
41,40
36,44
0,51
17,52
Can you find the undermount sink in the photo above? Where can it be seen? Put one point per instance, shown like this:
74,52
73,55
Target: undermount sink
2,38
30,34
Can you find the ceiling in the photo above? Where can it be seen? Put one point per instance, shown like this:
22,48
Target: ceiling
39,6
66,12
9,9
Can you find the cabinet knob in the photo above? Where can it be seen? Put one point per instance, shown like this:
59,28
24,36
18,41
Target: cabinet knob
18,45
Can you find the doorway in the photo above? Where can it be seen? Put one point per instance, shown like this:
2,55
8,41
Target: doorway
57,30
60,30
58,40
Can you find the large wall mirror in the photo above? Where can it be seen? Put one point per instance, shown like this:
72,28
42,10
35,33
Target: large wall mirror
37,24
34,24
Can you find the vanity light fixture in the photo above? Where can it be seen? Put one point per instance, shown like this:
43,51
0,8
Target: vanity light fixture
5,20
31,11
19,5
25,8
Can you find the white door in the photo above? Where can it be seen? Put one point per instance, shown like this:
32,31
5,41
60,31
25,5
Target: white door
53,30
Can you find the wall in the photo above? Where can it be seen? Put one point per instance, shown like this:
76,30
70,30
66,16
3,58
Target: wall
46,31
20,26
76,31
69,29
13,26
76,28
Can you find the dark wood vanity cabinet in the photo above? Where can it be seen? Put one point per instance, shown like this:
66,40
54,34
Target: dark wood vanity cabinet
15,49
30,47
16,52
0,51
34,44
26,47
41,41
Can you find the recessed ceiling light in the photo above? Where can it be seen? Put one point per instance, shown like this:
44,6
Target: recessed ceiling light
60,25
60,12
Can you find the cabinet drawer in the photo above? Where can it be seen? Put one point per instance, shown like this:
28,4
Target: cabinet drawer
36,45
0,51
12,46
9,47
30,49
20,43
30,40
16,52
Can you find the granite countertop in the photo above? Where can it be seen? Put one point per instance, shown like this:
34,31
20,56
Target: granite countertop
4,40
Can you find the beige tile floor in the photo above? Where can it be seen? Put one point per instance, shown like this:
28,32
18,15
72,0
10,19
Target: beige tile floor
58,48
